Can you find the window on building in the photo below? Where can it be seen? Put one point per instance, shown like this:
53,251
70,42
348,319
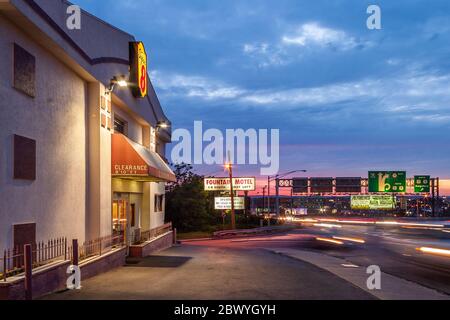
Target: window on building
24,71
24,158
120,126
159,202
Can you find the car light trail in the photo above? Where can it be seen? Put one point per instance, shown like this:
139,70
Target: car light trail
422,228
356,222
305,220
350,239
395,223
330,240
327,225
436,251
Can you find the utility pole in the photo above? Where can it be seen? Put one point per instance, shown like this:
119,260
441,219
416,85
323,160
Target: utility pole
264,199
268,194
229,166
277,199
433,195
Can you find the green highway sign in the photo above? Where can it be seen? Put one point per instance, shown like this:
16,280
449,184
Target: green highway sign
387,181
422,184
373,202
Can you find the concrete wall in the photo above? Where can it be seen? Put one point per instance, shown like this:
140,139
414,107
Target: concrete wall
148,248
98,215
134,129
150,218
56,119
156,217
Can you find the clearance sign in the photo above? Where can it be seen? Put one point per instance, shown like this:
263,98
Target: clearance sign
138,69
223,184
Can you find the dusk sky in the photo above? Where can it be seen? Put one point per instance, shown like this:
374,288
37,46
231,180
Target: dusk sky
345,98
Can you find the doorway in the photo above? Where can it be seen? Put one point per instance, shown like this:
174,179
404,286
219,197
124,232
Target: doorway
126,210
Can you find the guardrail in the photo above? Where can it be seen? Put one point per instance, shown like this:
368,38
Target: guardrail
244,232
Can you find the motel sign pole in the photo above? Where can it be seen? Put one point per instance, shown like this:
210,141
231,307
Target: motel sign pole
229,166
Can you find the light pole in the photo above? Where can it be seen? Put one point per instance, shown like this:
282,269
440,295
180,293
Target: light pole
277,189
229,167
264,198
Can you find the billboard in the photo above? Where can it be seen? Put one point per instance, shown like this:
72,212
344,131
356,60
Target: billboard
224,203
300,185
321,185
348,185
387,181
373,202
223,184
422,184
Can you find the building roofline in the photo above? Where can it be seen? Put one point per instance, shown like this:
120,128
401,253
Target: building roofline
100,20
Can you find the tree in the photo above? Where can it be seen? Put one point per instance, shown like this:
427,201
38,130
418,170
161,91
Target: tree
188,206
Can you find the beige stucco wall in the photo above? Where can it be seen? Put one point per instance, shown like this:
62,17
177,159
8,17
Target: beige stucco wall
56,119
134,129
156,218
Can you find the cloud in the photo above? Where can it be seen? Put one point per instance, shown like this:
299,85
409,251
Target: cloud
266,54
313,34
310,36
193,86
413,96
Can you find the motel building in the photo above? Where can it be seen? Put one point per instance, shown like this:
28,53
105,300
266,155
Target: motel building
82,133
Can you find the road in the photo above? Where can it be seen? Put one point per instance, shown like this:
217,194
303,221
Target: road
290,265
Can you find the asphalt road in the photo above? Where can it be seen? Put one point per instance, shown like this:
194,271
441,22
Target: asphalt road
190,272
250,268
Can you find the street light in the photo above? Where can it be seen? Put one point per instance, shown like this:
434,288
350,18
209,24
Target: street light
276,178
229,167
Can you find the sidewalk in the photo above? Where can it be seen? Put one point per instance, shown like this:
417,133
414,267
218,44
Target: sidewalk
392,288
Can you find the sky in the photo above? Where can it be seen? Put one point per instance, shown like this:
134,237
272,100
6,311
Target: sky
346,99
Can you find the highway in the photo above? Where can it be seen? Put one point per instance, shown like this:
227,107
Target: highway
391,247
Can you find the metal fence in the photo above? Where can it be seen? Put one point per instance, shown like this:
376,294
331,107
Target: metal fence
148,235
13,260
97,247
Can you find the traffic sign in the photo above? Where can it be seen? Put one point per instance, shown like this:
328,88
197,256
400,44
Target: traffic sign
285,183
224,203
387,181
422,184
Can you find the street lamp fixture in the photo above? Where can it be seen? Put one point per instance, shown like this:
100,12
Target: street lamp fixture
120,81
276,178
162,125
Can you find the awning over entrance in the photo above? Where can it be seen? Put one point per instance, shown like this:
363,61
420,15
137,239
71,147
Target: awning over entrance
131,160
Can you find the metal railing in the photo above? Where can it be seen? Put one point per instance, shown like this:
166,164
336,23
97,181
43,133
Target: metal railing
13,260
97,247
148,235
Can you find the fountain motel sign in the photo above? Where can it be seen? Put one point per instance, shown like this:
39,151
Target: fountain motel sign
223,184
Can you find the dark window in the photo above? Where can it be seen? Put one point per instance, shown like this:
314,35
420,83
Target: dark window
24,158
133,215
24,234
24,71
119,125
